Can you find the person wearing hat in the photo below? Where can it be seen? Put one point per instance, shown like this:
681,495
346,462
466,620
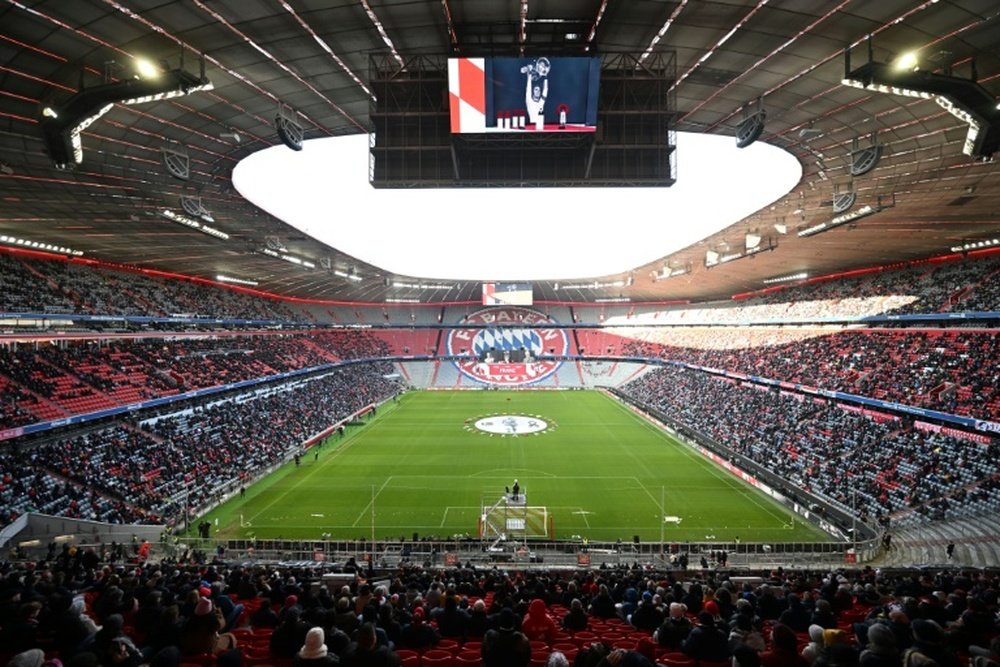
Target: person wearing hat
929,640
418,634
881,650
506,646
647,616
314,652
201,633
537,624
815,645
675,628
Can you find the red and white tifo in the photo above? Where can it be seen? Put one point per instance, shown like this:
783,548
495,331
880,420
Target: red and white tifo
506,329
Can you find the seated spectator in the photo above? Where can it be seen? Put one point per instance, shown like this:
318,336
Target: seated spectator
881,650
796,616
675,629
289,635
745,634
929,643
576,618
647,616
451,621
537,624
265,616
314,652
706,641
836,651
505,646
366,652
823,615
418,634
784,649
815,645
201,633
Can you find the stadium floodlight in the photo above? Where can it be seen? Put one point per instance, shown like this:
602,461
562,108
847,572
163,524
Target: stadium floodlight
752,125
424,286
671,272
291,259
193,224
39,245
792,277
846,218
236,281
352,275
146,69
63,123
976,245
964,99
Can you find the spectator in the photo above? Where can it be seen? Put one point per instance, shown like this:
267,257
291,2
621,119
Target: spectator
314,652
505,646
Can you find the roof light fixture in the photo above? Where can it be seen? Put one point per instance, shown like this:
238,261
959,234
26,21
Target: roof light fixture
965,99
63,123
193,224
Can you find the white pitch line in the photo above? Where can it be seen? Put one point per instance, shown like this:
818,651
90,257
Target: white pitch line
361,514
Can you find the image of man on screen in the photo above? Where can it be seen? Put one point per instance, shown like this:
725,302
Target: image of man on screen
536,88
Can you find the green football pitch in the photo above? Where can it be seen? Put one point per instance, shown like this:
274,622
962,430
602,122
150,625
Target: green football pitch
421,465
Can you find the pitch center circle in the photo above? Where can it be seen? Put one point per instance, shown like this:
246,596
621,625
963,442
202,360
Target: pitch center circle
511,425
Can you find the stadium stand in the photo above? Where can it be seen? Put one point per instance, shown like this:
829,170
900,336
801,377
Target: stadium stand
151,467
894,470
261,614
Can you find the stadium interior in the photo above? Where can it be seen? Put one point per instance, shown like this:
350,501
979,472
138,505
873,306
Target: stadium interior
168,348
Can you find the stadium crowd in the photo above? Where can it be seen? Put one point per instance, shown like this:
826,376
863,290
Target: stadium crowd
50,381
85,607
949,371
153,471
874,463
51,286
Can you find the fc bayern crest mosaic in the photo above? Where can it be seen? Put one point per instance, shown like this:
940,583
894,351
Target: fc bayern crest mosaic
504,345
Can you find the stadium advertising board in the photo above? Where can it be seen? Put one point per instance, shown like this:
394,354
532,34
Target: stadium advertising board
501,346
537,94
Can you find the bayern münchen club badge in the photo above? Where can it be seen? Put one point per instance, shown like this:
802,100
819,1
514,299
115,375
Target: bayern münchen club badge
503,346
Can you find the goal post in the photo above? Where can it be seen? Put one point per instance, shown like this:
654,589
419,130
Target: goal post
510,521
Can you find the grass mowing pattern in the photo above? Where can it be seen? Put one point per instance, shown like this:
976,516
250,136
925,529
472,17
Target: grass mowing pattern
599,472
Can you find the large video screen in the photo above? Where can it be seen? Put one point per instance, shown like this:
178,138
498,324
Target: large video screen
539,94
507,294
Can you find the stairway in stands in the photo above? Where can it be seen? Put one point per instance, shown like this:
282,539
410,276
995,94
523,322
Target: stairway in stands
977,543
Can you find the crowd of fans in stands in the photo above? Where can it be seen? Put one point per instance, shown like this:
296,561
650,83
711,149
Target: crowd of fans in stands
875,463
50,286
86,377
946,371
83,611
154,471
67,287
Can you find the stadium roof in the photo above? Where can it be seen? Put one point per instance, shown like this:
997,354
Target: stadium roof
314,56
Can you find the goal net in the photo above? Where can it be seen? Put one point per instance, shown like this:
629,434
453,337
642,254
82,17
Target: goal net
504,520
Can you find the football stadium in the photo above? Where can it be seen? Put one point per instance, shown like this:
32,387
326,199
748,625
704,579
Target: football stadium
499,333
